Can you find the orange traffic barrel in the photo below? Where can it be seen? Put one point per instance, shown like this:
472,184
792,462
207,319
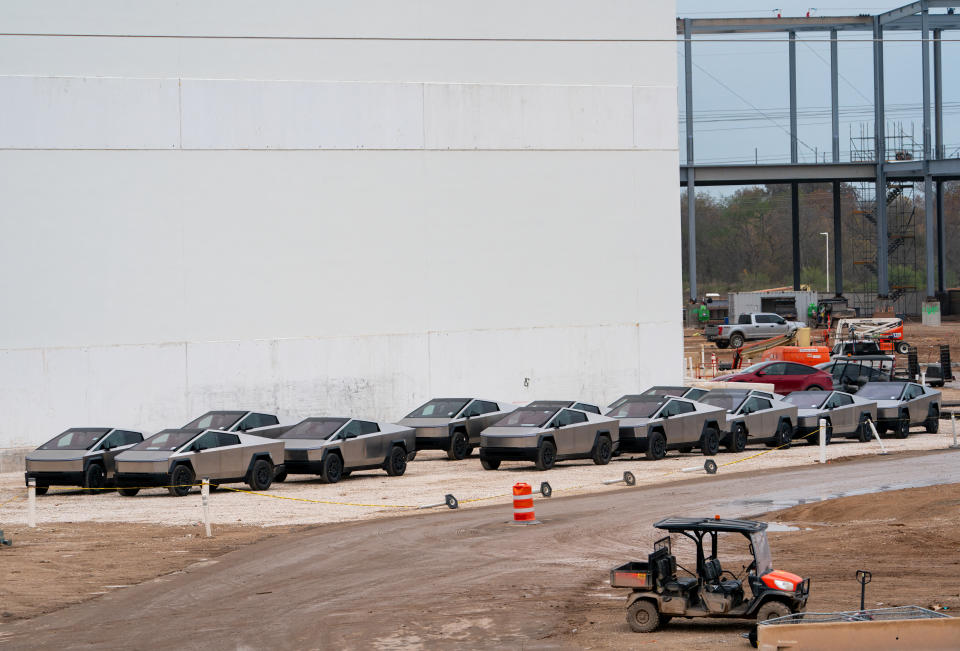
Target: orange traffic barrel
523,504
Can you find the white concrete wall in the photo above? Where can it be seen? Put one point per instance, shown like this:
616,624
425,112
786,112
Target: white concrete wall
318,225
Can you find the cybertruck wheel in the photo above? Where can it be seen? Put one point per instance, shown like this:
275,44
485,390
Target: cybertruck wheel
643,616
686,449
489,464
710,444
772,610
332,469
459,446
42,490
656,446
902,429
181,481
863,430
281,476
261,475
546,455
128,492
784,434
737,441
94,478
397,462
932,424
603,451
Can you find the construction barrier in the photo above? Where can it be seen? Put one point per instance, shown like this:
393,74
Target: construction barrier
523,512
709,466
627,479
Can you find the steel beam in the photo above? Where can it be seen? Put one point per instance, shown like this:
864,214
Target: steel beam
813,24
793,97
837,240
938,151
883,284
928,217
795,232
941,279
691,181
834,96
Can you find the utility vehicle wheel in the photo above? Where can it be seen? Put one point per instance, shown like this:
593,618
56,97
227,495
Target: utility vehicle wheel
332,469
546,455
772,610
863,429
489,464
181,480
642,616
902,429
42,490
261,475
656,446
603,451
128,492
722,344
281,476
903,347
710,444
459,446
932,423
736,340
737,440
94,478
397,462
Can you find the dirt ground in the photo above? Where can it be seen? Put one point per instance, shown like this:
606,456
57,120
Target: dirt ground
908,539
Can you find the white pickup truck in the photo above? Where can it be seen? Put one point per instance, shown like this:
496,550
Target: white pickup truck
759,325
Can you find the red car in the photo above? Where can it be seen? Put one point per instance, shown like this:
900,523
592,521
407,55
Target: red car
784,376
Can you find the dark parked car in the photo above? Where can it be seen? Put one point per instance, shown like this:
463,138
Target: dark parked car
81,456
786,377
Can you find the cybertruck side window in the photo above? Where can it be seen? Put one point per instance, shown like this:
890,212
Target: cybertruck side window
683,407
206,442
574,417
367,427
696,394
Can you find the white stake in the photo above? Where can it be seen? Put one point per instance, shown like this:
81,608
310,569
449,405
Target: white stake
953,423
876,435
31,503
823,440
205,500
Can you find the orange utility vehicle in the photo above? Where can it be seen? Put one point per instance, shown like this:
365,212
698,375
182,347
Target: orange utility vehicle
809,355
887,332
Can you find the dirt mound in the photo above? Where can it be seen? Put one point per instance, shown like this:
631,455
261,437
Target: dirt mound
907,505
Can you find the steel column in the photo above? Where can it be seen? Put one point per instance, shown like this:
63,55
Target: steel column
795,232
794,187
928,217
835,129
883,284
691,185
941,279
938,152
793,97
837,244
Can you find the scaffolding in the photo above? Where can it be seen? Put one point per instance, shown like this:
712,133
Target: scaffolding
902,199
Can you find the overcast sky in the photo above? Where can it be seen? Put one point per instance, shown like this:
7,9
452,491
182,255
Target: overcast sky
741,88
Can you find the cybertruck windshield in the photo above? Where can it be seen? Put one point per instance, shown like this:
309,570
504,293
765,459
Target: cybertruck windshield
440,408
636,408
215,420
75,439
882,390
728,400
808,399
527,418
316,429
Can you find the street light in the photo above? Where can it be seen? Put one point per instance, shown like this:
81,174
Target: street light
827,235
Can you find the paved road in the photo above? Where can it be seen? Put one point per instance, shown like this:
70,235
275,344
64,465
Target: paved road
435,579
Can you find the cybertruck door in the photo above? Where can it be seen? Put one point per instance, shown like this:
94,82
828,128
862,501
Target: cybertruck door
842,413
352,445
114,444
205,456
374,443
684,425
917,403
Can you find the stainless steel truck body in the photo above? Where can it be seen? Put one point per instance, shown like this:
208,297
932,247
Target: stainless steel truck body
454,424
753,415
655,424
335,447
232,421
80,456
548,431
177,458
902,404
693,393
845,415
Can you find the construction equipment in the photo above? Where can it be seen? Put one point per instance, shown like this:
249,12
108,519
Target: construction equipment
758,348
886,332
658,594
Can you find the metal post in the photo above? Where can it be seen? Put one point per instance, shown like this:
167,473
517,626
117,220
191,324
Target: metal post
795,232
793,97
205,501
883,284
835,129
837,241
691,184
930,225
823,440
826,251
31,503
938,152
953,423
941,279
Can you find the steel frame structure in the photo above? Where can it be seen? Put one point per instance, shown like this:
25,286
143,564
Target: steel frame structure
932,170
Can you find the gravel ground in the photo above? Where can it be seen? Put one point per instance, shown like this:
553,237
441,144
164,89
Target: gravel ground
372,494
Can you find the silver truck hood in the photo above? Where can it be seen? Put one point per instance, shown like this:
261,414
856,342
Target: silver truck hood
513,431
424,423
145,455
636,422
304,444
56,455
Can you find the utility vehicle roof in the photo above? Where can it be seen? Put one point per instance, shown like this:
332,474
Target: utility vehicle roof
710,524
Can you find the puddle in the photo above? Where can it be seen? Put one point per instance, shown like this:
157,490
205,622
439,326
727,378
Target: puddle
788,502
779,526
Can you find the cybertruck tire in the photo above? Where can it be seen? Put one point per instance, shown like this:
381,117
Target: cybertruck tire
332,469
603,451
932,424
94,478
656,446
710,443
397,462
546,455
489,464
459,446
281,476
128,492
643,616
42,490
261,475
902,429
737,441
181,481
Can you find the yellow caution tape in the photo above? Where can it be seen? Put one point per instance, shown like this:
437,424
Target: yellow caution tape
304,499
